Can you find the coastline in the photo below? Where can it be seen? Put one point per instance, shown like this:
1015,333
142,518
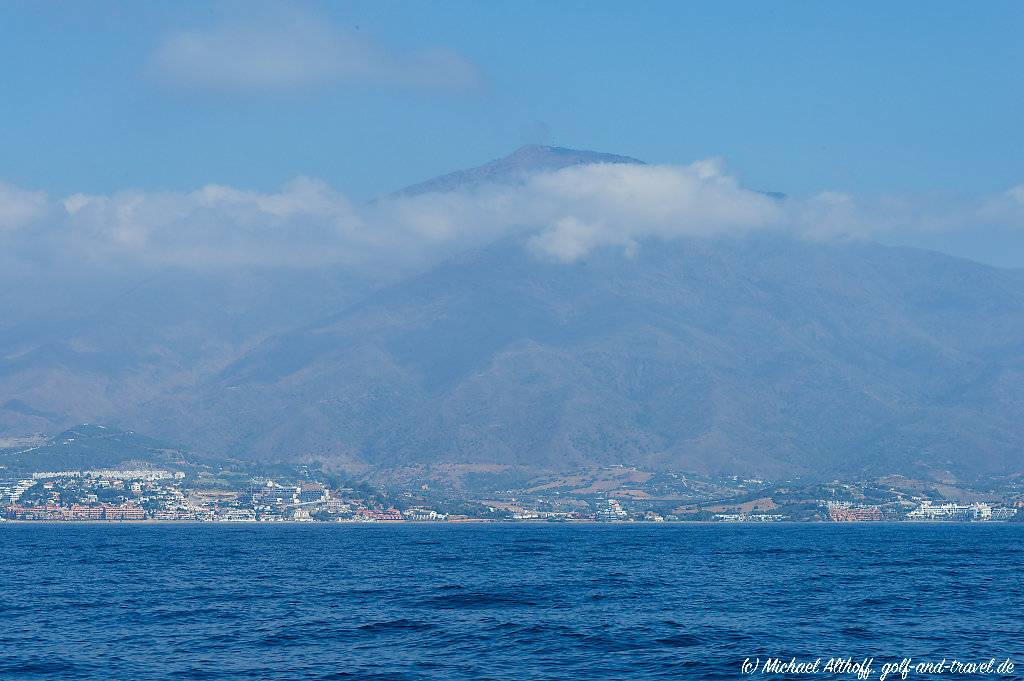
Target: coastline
488,521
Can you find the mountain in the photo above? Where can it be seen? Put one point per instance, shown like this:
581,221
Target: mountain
92,348
767,356
83,342
514,168
762,355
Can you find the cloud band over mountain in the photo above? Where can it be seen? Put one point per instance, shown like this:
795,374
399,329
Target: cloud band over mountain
562,214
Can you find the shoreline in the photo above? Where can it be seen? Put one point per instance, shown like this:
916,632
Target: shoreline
487,521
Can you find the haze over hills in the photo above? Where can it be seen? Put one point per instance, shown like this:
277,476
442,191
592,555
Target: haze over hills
759,354
93,348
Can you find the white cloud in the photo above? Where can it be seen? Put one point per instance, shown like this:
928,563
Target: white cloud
1017,194
585,207
561,215
1007,207
19,207
306,223
837,214
287,48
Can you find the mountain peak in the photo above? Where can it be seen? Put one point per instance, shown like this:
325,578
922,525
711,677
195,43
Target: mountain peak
515,168
543,155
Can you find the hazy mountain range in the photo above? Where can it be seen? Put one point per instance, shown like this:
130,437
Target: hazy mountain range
761,354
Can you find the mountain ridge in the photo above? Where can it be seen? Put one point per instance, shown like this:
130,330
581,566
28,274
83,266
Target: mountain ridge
758,354
516,167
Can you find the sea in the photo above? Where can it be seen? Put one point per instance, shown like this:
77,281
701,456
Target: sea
510,601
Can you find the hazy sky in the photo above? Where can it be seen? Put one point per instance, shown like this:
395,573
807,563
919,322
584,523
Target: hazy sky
900,121
800,97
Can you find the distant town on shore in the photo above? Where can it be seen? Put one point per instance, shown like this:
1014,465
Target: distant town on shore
133,481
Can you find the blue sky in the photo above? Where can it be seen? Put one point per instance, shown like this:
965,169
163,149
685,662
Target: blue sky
870,98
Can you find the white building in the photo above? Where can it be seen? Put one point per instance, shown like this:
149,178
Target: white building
930,511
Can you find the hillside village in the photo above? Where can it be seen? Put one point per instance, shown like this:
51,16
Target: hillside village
155,484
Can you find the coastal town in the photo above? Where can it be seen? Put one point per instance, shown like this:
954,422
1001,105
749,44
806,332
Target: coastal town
614,494
94,473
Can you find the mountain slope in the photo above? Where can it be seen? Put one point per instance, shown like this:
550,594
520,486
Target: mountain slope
515,167
96,348
87,447
759,355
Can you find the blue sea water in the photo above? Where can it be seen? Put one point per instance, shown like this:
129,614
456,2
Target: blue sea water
499,601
